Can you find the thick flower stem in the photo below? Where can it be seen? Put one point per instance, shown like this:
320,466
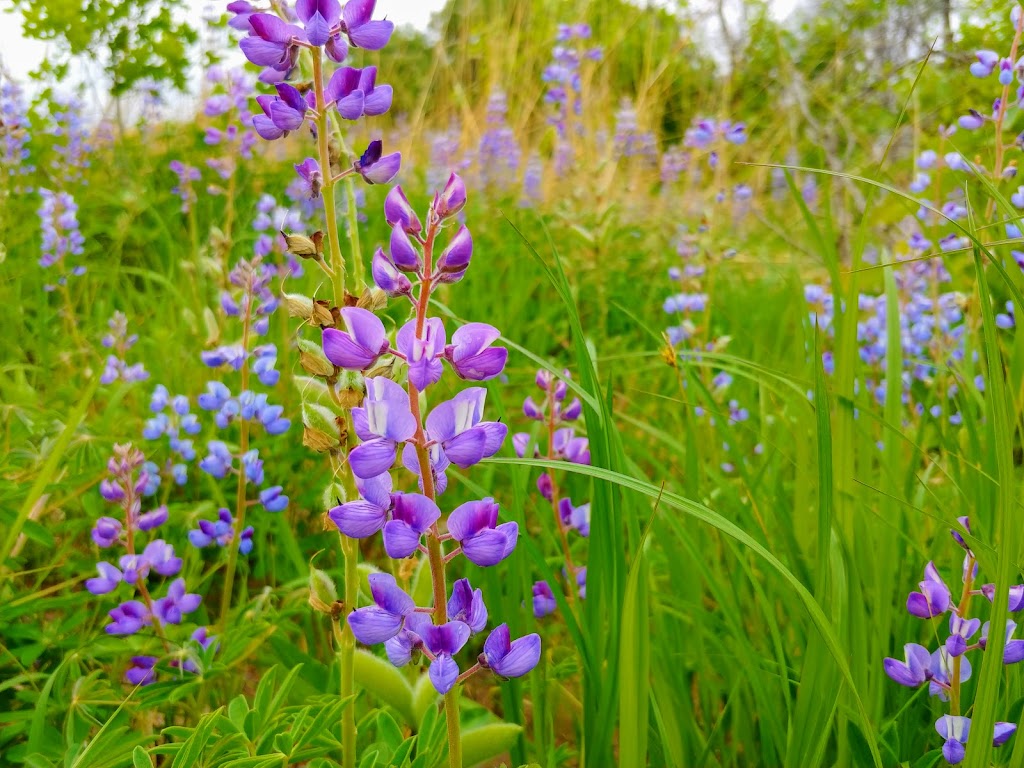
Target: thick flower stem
347,652
323,130
961,609
240,501
435,550
349,548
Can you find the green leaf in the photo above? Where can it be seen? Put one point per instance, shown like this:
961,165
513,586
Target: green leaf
192,749
140,759
385,682
488,741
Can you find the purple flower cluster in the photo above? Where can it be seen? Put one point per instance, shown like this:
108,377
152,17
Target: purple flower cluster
14,132
62,238
932,338
230,126
220,533
948,667
172,419
272,219
630,142
562,443
72,146
390,425
124,488
498,156
351,93
120,341
562,76
186,174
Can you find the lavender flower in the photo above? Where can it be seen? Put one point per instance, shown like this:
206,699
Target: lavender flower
62,239
120,342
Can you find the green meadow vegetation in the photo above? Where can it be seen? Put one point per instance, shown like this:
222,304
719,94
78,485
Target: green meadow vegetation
795,359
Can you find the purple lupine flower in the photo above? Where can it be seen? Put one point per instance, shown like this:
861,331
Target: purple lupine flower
384,421
220,532
388,277
358,347
399,213
422,352
364,517
475,526
461,436
272,42
471,355
412,516
177,603
128,618
107,581
106,532
1013,650
510,658
455,259
376,167
1016,598
443,642
467,605
142,671
916,670
544,600
382,621
934,597
309,171
62,238
960,631
575,517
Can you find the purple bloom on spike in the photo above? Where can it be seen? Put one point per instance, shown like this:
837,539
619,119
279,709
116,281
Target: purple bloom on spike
384,421
142,671
423,354
544,600
107,581
444,642
509,658
177,603
359,346
376,167
383,620
934,597
467,605
128,618
364,517
471,354
398,212
411,517
475,526
309,171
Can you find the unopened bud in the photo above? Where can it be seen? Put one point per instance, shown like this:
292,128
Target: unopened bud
305,247
313,360
323,594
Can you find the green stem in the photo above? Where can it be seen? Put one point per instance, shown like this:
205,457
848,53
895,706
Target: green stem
240,500
353,237
347,651
350,548
435,551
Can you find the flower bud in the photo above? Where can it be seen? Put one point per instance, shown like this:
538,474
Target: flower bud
387,277
403,253
323,594
313,360
305,247
456,257
399,213
452,199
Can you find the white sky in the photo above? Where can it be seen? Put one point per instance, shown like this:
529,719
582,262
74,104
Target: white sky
20,56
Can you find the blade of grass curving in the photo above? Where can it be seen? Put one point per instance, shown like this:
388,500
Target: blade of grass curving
818,694
706,515
48,470
1007,529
